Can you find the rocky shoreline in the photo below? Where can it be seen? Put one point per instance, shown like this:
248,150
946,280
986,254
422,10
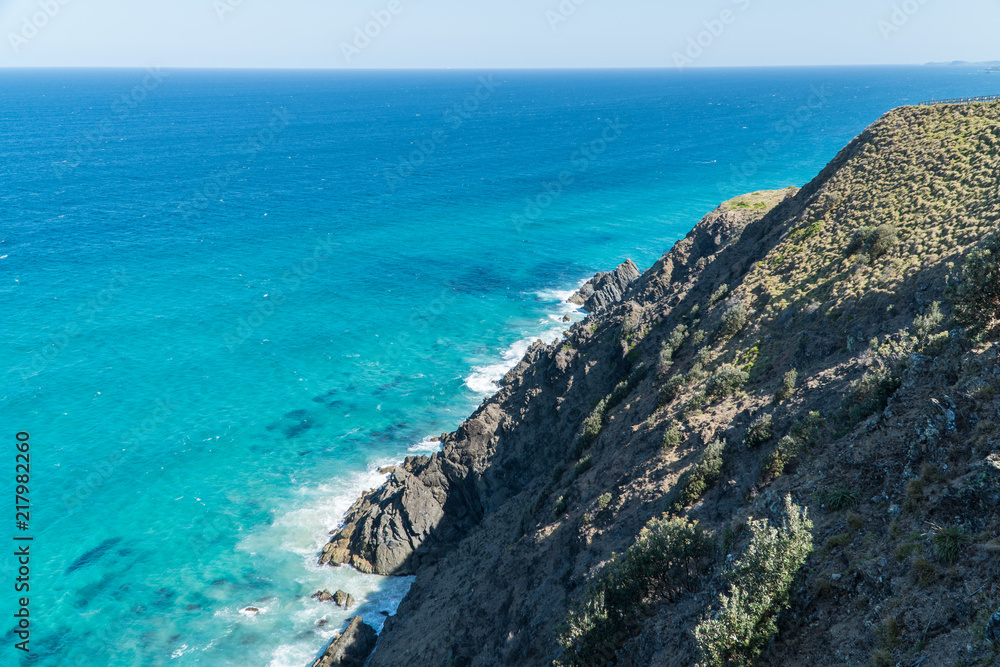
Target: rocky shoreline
430,504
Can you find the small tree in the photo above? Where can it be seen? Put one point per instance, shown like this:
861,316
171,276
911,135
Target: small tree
664,563
726,381
977,292
733,321
787,388
760,584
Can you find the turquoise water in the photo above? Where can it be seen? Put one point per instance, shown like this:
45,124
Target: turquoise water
230,297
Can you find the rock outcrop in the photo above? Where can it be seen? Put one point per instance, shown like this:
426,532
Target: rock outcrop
340,598
606,289
351,647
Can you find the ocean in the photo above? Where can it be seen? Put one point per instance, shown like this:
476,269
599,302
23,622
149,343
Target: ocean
230,297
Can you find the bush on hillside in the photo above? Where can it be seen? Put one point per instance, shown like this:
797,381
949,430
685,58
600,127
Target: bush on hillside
718,295
733,321
700,477
760,583
726,381
787,388
786,451
670,391
665,562
976,294
593,424
672,439
875,241
761,430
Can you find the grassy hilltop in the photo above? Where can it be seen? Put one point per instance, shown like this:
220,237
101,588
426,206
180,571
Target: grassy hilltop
780,447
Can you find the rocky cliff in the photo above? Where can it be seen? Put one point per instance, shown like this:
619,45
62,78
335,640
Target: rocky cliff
815,345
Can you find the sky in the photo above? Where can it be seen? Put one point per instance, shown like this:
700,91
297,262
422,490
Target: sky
493,33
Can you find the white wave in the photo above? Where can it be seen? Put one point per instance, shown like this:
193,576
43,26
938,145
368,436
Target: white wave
426,445
486,379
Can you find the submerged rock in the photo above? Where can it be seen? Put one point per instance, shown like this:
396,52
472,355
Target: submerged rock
350,648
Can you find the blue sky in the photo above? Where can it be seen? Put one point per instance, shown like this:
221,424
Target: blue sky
494,33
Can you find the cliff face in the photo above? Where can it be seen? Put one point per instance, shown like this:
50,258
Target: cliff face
803,342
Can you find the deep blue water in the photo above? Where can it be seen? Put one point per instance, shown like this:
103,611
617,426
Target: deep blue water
229,297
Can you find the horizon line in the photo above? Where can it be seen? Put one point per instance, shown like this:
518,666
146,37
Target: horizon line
953,63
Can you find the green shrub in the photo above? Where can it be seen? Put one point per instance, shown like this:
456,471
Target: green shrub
761,430
670,391
700,477
665,562
859,240
759,589
560,506
726,381
593,424
604,501
949,543
677,336
672,439
695,373
872,392
783,454
583,465
733,321
624,388
699,337
665,361
718,295
875,241
883,239
923,572
976,293
841,498
924,324
808,430
788,384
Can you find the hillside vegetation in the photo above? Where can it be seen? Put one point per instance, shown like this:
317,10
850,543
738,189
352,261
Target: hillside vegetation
780,447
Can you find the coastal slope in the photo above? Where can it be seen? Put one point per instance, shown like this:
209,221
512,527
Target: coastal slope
815,345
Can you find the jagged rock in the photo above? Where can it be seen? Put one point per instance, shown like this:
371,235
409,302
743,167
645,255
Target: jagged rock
387,470
567,318
606,289
323,595
384,528
993,629
342,599
350,648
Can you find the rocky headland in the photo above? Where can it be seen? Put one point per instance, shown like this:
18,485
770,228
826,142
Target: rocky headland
778,444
